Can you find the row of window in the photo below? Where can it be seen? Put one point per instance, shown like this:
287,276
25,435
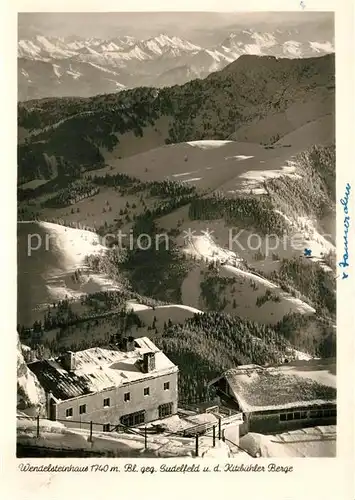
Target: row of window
300,415
165,410
133,419
107,401
138,417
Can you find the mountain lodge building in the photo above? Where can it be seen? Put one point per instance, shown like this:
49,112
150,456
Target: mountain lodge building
129,385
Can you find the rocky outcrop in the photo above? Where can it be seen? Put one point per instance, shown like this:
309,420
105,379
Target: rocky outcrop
31,398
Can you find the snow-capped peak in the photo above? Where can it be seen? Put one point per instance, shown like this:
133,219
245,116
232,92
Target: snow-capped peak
128,40
174,42
153,46
138,53
184,44
110,47
163,40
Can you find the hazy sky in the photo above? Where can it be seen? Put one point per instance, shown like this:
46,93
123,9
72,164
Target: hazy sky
198,27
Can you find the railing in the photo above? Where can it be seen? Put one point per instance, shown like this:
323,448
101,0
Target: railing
236,417
90,423
195,431
198,429
237,446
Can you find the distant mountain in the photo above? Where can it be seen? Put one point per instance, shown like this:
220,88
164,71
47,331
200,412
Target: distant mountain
254,99
55,67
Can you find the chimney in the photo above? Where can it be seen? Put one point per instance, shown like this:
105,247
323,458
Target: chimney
148,363
114,339
69,361
127,344
51,411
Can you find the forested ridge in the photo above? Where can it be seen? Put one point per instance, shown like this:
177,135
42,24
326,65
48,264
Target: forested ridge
213,108
205,344
316,196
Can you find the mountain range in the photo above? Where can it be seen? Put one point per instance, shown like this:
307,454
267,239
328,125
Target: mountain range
51,66
247,150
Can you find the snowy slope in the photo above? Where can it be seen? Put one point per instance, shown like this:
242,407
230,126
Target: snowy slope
30,394
47,273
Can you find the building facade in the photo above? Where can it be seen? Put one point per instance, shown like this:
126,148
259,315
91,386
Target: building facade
278,399
129,385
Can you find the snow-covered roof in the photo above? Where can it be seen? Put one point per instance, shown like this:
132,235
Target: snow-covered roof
300,383
98,369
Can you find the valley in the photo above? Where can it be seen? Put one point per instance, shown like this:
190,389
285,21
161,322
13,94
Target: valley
140,195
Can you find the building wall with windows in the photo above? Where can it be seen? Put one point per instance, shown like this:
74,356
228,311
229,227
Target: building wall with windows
130,382
135,402
279,398
275,421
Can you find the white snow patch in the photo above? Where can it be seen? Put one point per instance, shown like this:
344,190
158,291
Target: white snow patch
194,179
220,450
29,47
74,74
313,239
118,84
307,442
135,306
238,157
204,247
175,43
208,144
56,70
154,46
111,47
301,306
264,40
255,178
184,173
76,45
163,40
76,243
253,49
73,245
103,69
218,56
138,53
53,49
287,219
322,47
301,356
292,48
28,385
184,44
29,391
92,51
181,306
261,175
247,274
214,55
